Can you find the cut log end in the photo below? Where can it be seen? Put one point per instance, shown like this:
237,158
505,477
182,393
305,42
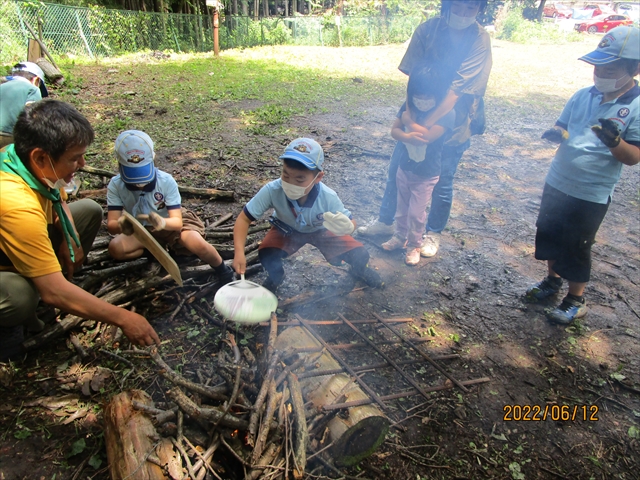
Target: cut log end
360,441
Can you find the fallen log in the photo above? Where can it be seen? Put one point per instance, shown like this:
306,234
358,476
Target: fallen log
358,434
130,438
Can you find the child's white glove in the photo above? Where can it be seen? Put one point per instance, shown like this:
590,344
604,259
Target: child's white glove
155,220
126,226
338,223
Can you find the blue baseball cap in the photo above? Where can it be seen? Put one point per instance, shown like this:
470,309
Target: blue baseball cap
620,42
306,151
134,150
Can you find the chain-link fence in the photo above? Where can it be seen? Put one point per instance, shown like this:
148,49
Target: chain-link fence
97,31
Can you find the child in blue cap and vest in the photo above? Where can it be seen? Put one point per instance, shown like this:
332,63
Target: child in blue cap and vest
152,196
598,132
305,211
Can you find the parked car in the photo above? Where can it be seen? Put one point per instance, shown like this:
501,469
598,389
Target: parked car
556,10
630,10
603,23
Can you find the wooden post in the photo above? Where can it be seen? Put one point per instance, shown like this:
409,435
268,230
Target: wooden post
35,52
216,45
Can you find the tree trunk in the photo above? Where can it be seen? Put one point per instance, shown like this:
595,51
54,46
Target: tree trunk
129,436
363,429
540,10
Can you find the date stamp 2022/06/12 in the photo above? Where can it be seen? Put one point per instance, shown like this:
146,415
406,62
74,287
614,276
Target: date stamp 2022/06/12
556,413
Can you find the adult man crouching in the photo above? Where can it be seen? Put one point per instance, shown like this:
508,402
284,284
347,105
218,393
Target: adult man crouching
41,236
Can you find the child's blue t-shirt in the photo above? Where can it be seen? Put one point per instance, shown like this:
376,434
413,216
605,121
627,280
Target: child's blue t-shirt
430,155
14,95
584,167
309,219
159,196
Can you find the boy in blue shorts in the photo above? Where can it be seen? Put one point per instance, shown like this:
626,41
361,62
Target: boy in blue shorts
305,211
598,132
152,196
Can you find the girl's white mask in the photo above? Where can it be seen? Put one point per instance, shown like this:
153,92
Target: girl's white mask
424,104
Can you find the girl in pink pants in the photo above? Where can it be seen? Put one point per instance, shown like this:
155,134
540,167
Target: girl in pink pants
421,149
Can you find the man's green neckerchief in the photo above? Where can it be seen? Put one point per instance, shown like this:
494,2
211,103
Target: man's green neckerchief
11,163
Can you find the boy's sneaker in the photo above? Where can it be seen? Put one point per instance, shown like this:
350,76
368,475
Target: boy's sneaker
271,285
375,228
546,288
568,311
430,245
368,276
11,339
396,243
227,275
412,257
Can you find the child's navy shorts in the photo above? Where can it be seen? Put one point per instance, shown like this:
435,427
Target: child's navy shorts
567,228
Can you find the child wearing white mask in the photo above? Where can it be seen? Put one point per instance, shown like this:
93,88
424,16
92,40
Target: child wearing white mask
598,132
152,196
419,157
304,211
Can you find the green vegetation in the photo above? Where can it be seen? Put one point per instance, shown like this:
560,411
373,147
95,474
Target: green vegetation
516,28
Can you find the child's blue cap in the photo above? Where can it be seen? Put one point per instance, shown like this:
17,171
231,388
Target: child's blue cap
620,42
306,151
134,150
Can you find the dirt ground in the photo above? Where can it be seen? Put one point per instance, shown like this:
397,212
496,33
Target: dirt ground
468,300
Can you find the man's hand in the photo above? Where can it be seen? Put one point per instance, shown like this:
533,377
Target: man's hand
556,135
338,223
157,222
239,263
138,331
64,256
608,132
126,227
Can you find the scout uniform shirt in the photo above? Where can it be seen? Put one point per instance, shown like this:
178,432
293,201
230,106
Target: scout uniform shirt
308,219
583,166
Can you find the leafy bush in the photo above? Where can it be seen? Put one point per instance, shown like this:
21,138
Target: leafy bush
517,29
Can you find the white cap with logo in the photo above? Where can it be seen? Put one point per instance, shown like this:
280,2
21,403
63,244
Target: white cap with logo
621,42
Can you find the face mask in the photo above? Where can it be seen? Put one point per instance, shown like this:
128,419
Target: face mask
59,183
424,104
609,85
294,192
460,23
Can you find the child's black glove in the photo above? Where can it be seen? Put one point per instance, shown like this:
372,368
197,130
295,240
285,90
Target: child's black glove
555,135
608,132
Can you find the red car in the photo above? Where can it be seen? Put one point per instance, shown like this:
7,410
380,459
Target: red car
557,11
603,23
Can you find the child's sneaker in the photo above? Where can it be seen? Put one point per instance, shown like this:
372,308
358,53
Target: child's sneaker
430,245
227,275
568,311
546,288
412,256
368,276
396,243
375,228
271,285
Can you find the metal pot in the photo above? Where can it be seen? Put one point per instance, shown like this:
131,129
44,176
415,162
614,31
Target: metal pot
245,302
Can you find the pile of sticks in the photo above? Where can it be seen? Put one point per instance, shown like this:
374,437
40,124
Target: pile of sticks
232,437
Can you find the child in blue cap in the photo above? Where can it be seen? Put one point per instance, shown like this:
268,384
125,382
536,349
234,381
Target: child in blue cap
305,211
152,196
598,132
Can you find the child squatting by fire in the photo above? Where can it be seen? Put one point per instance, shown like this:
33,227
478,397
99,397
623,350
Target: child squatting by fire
305,211
420,152
598,132
152,196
